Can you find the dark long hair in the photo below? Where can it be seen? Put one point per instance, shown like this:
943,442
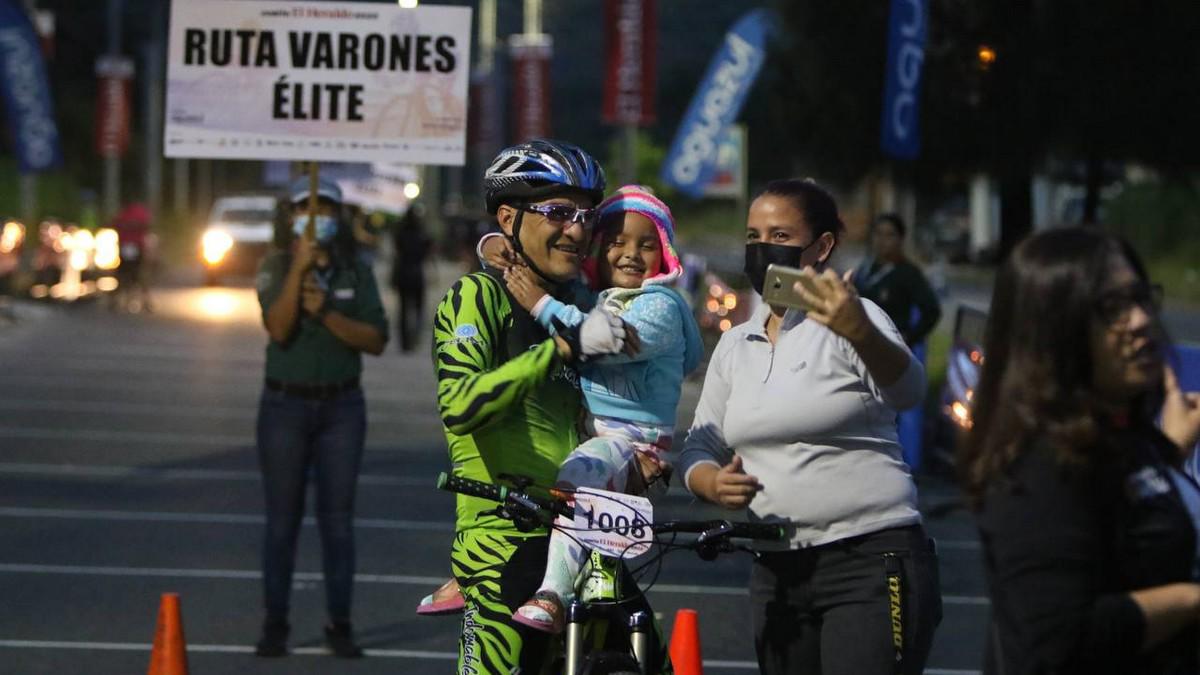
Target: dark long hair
818,207
1036,383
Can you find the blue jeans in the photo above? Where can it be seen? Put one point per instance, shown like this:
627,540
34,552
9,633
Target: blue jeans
296,436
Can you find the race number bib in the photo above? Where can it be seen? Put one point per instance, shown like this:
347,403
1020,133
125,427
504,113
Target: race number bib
613,523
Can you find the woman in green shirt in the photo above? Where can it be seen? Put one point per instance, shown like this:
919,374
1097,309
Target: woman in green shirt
321,308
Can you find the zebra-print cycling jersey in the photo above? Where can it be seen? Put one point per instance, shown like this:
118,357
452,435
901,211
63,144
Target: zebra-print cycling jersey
508,404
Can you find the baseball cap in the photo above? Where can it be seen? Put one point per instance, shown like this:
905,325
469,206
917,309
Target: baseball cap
325,189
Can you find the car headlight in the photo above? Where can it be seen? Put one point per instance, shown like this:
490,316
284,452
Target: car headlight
215,244
11,236
108,249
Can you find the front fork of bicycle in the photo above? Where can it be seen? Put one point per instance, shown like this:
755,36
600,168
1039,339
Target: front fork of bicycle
577,618
641,637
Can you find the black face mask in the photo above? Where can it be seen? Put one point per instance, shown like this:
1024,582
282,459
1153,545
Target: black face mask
759,256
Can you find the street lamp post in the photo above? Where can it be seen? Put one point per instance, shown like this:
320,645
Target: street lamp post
112,161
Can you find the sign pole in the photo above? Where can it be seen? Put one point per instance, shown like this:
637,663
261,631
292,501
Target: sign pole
743,199
629,156
28,186
112,161
310,228
629,81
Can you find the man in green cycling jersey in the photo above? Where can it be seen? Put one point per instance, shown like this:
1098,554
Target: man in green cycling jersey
508,398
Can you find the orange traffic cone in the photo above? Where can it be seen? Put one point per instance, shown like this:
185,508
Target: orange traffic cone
685,643
170,651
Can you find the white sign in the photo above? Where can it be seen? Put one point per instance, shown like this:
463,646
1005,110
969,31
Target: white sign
376,193
348,82
613,523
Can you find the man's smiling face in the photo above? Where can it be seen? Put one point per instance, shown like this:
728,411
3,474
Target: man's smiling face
555,247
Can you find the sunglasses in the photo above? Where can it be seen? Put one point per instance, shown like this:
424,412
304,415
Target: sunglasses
1116,306
561,215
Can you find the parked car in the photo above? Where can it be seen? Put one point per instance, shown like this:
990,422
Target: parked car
963,364
12,241
239,232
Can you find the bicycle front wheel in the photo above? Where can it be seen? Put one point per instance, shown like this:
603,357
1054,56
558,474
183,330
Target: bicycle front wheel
609,663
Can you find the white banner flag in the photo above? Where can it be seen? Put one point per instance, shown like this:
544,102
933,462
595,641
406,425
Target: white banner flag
346,82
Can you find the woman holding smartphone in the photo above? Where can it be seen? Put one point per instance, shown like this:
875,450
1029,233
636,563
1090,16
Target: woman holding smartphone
797,424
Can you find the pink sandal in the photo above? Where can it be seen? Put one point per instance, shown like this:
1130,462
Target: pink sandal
451,601
544,612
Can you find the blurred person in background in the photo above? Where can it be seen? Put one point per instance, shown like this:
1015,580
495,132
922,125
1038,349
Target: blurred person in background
367,228
1087,520
797,423
322,310
411,247
138,251
889,279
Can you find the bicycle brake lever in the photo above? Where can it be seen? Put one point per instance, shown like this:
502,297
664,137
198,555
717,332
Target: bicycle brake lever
714,532
498,512
518,482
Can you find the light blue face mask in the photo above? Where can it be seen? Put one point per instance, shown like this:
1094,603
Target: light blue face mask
326,227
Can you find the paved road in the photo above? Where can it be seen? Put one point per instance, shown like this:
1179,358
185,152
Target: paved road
128,470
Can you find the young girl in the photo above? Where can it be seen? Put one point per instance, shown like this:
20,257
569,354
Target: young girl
631,399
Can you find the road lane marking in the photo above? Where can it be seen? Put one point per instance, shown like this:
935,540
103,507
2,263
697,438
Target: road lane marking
216,649
124,472
238,519
163,473
200,369
191,573
377,392
152,437
209,518
114,436
321,651
248,413
396,579
149,364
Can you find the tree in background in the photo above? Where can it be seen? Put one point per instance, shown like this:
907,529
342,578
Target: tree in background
1082,82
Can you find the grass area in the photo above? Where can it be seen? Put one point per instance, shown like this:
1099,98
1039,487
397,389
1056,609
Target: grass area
1179,275
1162,221
57,194
937,352
709,222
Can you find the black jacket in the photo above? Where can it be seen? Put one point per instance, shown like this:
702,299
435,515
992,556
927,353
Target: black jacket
1064,547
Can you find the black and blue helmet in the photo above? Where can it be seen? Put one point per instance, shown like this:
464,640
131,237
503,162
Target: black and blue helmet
541,168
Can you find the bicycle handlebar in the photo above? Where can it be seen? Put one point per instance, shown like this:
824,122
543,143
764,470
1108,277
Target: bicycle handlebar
708,530
472,488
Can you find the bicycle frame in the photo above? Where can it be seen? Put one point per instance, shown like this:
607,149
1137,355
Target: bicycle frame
595,606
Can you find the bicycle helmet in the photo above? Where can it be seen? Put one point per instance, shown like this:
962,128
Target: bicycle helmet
540,168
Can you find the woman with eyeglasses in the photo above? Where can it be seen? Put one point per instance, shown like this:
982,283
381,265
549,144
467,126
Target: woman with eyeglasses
1087,521
797,424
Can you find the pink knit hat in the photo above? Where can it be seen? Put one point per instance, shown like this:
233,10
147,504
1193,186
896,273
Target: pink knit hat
639,199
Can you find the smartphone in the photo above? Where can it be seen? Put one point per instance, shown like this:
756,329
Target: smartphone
778,287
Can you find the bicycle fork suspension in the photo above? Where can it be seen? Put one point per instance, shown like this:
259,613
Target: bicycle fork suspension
641,639
577,617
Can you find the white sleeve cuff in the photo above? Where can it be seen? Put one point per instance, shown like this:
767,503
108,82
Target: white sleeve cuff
479,247
539,306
